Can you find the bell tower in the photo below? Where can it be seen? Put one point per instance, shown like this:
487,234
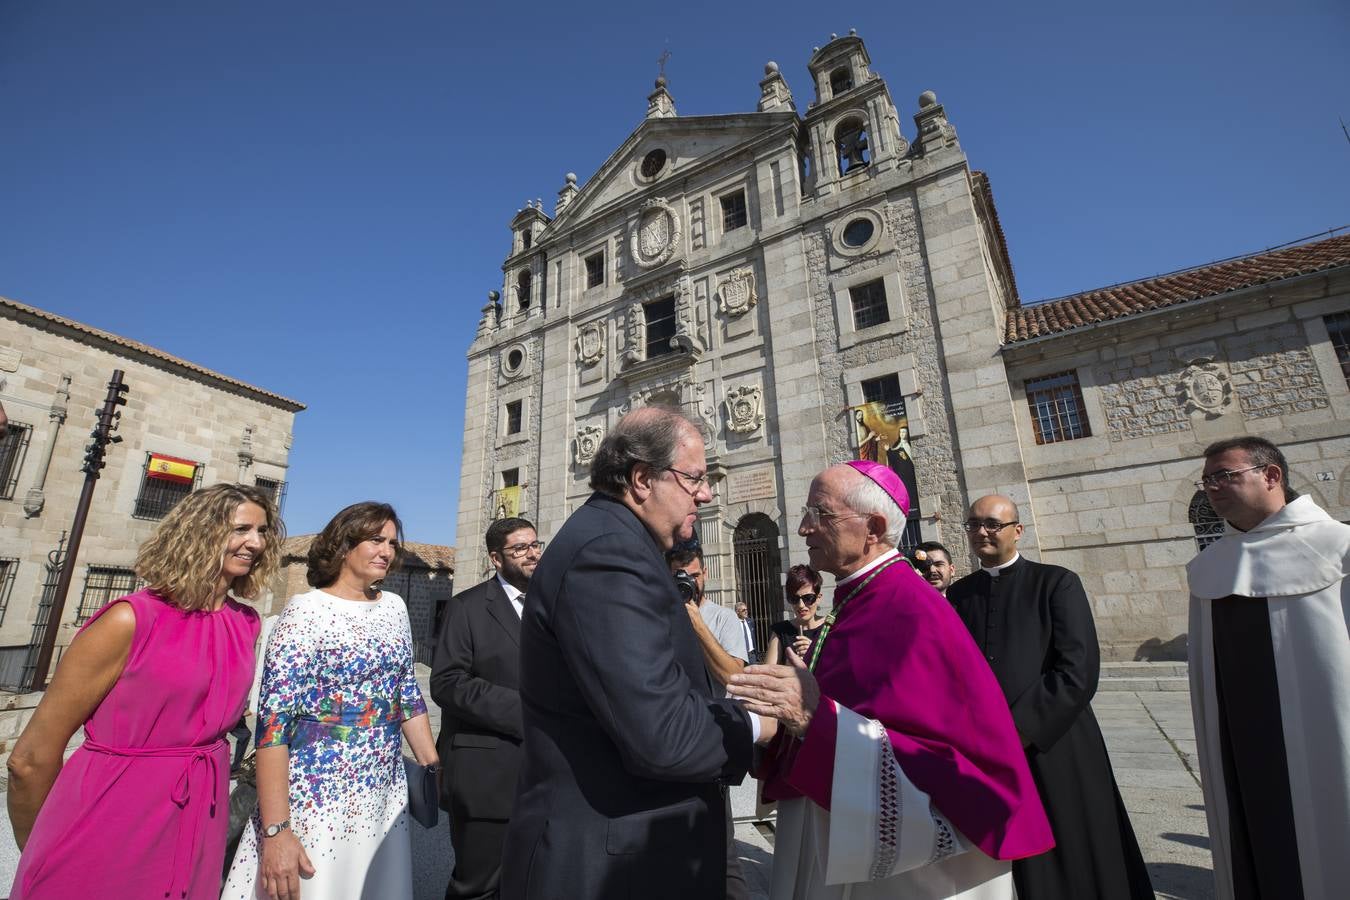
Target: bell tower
853,126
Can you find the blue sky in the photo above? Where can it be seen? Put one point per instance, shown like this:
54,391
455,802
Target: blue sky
319,193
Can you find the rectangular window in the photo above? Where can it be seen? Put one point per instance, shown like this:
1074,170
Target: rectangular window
8,568
869,304
12,448
1057,411
101,584
510,478
272,488
660,318
165,480
595,269
733,211
1338,327
885,389
513,412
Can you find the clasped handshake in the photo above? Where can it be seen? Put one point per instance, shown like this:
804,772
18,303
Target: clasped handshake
784,696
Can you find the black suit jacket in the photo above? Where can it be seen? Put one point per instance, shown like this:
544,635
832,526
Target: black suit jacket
475,679
624,743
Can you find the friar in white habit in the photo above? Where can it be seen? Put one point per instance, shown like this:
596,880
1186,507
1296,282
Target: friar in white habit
902,775
1270,681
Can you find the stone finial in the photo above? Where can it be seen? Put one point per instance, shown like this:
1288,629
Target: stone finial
935,131
853,32
774,93
927,99
569,190
660,104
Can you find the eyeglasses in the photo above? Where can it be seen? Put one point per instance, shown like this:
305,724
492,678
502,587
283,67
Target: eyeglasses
1223,476
814,515
699,482
516,551
973,526
806,599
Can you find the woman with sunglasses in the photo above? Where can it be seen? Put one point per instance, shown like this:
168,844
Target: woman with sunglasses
803,598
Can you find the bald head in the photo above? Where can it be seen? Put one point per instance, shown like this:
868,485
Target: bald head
993,529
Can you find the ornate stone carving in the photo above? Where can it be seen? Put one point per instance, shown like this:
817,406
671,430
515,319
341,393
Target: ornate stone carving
736,293
744,409
591,343
656,235
587,442
1205,388
688,335
635,335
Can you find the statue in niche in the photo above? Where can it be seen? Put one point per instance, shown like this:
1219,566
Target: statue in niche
635,333
744,409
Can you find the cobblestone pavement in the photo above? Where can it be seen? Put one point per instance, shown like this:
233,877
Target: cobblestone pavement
1148,734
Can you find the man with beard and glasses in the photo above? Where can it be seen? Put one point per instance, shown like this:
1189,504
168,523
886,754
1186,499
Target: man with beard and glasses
475,678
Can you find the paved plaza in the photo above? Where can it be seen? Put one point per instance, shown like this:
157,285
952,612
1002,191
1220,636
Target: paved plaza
1145,714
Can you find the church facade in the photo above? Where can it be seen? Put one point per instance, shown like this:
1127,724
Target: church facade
814,285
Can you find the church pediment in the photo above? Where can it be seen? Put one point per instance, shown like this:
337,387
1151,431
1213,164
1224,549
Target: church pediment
662,150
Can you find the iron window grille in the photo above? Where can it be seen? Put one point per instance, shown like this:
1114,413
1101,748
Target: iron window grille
1057,410
273,488
13,447
1208,525
103,584
660,318
733,211
885,390
869,304
8,569
1338,329
157,496
595,269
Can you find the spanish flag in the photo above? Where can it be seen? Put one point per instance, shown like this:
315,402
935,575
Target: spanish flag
170,468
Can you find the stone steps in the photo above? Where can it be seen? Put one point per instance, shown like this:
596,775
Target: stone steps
1143,676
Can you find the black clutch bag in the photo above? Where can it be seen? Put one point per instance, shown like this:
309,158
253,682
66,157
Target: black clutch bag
423,793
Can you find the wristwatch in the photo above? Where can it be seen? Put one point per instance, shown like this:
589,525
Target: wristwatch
274,830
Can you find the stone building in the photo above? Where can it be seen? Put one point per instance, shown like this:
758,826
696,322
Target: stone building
196,426
771,272
425,581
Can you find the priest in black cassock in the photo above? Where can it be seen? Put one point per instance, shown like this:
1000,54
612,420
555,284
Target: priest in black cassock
1034,626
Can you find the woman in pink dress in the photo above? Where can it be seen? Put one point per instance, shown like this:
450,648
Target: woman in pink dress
157,678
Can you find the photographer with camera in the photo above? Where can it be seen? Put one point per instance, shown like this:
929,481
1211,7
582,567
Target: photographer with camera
718,629
934,562
719,634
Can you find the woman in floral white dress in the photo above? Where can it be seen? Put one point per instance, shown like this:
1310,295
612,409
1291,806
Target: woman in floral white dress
338,695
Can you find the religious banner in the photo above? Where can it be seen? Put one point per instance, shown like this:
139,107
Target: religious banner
881,432
508,502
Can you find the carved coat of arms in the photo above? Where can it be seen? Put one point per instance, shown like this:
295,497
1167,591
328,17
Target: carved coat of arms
744,409
657,234
587,442
591,343
736,293
1205,388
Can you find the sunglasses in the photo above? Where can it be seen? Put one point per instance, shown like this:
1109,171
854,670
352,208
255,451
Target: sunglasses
806,599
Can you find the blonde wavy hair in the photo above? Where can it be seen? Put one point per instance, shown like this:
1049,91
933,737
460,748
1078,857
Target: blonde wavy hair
183,559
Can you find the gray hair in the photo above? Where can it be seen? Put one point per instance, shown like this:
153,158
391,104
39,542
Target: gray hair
868,499
648,435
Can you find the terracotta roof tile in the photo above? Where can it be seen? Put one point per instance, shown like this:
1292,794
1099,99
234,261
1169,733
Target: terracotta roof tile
23,309
1122,300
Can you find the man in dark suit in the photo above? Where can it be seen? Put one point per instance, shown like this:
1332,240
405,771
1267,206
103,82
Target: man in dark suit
475,679
625,743
1033,623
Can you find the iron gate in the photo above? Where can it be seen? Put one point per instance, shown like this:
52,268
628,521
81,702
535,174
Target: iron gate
758,574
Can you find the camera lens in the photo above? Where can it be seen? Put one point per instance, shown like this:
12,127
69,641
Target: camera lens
686,584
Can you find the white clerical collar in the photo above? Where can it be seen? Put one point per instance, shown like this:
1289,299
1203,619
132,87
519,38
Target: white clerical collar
840,582
993,572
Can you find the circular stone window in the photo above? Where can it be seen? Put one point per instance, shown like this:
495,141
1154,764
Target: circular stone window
513,360
858,232
652,164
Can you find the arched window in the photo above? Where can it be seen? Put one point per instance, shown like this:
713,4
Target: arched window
758,566
850,140
1207,523
841,79
523,283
